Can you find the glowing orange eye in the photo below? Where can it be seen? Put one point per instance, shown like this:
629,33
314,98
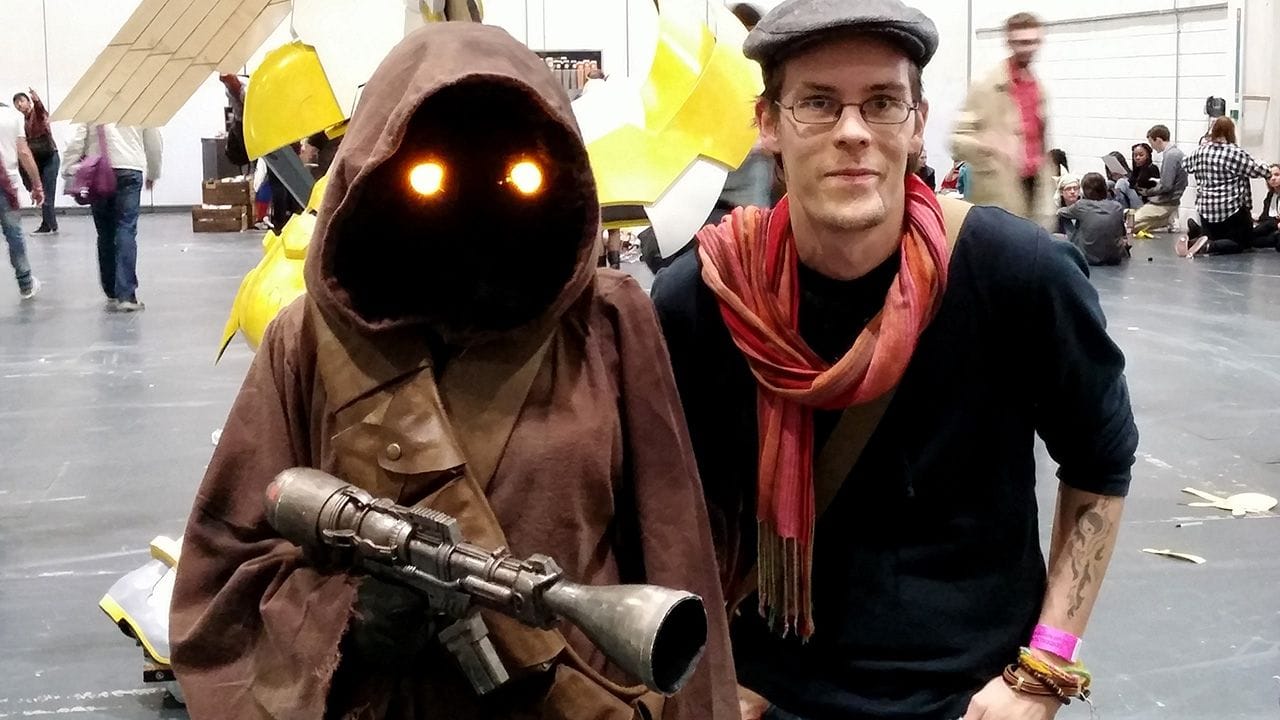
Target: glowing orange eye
427,178
526,176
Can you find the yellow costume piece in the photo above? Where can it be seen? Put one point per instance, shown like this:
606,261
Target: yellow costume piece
288,99
451,10
138,603
277,279
698,100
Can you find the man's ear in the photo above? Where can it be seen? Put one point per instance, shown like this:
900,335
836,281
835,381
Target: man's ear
767,119
917,134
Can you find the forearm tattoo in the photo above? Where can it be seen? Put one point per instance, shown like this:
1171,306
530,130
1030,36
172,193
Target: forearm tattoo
1087,549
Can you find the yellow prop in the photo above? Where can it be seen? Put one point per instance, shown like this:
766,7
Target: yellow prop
288,99
277,280
699,100
447,10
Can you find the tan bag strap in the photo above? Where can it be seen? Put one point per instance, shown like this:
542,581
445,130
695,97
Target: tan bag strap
858,423
843,448
484,424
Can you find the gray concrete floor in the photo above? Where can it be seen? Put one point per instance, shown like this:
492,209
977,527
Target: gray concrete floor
106,420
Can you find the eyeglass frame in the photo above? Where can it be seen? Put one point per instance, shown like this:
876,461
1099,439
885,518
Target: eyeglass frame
911,108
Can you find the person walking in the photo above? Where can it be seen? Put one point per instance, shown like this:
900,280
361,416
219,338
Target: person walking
135,155
1002,128
14,151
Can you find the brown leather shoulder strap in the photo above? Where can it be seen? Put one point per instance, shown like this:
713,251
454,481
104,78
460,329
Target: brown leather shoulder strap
858,423
484,390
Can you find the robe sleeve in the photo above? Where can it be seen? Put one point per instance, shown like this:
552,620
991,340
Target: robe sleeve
675,535
254,630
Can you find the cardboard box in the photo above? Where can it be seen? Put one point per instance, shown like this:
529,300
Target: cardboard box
230,219
227,192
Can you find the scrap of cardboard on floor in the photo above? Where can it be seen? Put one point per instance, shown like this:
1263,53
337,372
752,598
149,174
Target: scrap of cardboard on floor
1176,555
1238,504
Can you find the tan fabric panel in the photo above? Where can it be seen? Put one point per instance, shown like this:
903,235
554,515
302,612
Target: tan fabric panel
163,53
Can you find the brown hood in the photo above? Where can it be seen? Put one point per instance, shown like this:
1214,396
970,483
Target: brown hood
427,61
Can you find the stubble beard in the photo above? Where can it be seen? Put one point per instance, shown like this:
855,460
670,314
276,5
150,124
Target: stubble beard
854,215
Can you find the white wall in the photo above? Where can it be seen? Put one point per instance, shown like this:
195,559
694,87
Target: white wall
626,30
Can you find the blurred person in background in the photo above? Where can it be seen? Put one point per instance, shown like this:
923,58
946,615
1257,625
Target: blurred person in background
14,152
45,151
1002,128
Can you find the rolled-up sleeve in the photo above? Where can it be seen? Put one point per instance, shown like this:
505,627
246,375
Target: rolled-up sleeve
1083,411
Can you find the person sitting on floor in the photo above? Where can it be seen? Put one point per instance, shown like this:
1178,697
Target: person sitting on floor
1118,173
1266,231
1163,201
1099,223
1223,196
1068,195
1145,175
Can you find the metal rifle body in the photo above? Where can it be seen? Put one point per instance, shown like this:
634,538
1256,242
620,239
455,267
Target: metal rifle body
656,634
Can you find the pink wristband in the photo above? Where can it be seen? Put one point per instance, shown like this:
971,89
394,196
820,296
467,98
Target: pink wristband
1059,642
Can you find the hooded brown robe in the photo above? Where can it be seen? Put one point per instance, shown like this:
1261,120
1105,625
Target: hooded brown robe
596,472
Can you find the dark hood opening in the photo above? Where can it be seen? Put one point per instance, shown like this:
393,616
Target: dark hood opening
479,254
478,259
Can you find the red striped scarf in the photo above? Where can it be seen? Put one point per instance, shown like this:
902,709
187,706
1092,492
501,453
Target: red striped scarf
750,262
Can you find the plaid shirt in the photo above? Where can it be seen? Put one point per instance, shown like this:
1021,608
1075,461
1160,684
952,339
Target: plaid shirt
1222,173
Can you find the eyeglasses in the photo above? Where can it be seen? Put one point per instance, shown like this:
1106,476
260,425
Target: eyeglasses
820,110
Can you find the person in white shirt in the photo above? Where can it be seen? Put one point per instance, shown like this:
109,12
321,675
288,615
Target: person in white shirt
135,155
14,150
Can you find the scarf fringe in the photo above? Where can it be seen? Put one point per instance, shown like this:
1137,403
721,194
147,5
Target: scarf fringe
785,566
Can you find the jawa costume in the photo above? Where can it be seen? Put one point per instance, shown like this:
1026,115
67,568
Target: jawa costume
457,348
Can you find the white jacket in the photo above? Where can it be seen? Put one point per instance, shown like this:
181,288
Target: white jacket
129,148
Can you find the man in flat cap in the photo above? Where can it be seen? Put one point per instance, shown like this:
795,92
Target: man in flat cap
863,371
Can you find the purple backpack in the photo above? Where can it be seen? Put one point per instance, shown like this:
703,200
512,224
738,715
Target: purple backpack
95,178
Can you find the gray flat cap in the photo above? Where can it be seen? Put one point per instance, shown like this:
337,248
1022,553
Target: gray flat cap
798,22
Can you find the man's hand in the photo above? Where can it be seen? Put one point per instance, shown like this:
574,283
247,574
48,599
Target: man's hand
149,184
997,701
751,705
37,197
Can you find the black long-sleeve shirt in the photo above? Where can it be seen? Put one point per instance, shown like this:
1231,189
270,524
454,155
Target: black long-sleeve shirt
928,573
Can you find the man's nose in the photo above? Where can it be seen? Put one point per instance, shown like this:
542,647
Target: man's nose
851,127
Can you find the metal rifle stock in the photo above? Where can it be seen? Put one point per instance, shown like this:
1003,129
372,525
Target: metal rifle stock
655,634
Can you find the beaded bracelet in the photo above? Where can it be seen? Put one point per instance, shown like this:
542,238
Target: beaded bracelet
1020,683
1073,674
1032,676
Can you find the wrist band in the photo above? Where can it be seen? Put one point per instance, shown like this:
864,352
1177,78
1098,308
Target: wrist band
1059,642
